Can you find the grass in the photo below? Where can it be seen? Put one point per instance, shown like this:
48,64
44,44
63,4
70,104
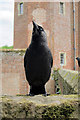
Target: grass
6,47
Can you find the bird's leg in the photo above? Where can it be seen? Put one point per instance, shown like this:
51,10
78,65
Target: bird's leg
46,94
36,90
31,92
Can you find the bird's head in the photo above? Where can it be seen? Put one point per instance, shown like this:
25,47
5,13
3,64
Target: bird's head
38,31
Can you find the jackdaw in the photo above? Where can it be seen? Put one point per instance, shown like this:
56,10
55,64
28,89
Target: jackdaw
38,61
78,59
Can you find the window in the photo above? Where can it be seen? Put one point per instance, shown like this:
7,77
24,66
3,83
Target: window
61,8
62,59
20,9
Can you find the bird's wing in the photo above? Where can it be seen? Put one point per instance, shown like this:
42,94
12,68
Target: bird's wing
79,63
51,61
25,58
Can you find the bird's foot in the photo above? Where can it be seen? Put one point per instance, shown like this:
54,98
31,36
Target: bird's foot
30,94
46,94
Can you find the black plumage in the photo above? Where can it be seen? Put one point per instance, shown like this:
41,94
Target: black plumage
78,59
38,61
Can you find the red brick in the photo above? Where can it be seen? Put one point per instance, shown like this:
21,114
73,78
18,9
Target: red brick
60,28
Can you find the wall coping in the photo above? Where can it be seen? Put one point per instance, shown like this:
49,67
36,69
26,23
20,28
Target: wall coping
40,107
12,50
68,70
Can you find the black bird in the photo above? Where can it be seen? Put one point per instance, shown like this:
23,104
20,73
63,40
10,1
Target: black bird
38,61
78,59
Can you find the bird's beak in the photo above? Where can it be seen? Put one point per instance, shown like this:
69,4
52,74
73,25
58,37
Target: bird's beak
35,26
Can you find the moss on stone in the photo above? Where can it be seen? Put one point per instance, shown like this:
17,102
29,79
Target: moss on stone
12,50
58,112
67,80
50,107
20,52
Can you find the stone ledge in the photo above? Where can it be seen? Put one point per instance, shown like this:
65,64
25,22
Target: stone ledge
50,107
12,50
69,80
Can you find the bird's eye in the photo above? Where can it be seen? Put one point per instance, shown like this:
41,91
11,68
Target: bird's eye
40,28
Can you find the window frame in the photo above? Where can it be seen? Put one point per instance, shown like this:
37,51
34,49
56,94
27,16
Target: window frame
19,8
63,8
64,58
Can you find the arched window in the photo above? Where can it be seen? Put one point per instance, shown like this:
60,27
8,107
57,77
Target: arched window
20,8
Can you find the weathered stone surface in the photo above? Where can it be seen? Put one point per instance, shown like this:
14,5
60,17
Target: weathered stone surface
68,80
50,107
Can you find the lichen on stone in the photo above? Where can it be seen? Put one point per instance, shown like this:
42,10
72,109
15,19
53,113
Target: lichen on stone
50,107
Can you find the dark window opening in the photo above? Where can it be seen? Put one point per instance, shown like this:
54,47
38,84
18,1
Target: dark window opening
21,8
62,58
61,7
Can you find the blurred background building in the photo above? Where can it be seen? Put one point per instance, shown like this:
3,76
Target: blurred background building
59,20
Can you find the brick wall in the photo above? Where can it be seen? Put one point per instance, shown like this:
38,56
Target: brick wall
12,76
62,35
77,22
23,23
59,28
79,30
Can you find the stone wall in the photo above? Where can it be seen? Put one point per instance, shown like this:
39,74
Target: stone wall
56,107
13,76
67,80
13,80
